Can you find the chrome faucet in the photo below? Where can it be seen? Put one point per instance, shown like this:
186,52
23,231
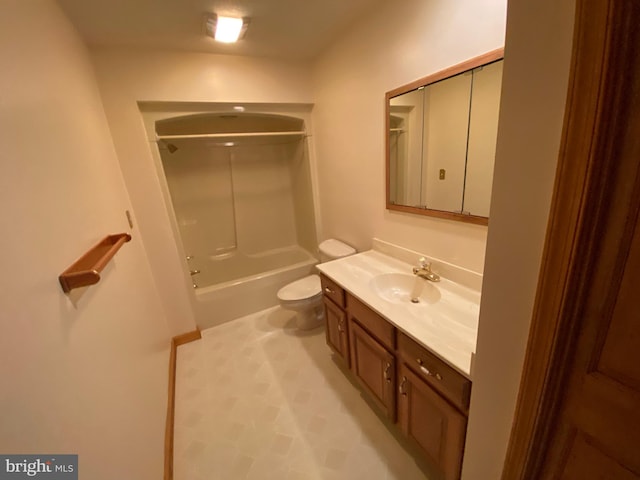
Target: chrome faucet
424,271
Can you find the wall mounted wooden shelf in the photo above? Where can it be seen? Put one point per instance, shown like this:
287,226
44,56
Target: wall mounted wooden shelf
86,270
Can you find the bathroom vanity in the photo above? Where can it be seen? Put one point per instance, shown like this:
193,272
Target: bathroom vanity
412,359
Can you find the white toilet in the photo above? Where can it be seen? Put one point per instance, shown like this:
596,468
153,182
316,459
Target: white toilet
304,296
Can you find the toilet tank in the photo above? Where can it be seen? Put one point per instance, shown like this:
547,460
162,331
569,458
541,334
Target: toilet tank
332,249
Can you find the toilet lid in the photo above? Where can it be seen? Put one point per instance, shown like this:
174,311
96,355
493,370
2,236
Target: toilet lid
306,287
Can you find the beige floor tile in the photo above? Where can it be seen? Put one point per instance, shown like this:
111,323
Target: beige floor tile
258,400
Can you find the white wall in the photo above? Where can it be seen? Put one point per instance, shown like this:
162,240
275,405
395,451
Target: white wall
531,116
127,77
400,42
91,377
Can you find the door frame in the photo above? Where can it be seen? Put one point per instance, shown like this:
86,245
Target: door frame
584,174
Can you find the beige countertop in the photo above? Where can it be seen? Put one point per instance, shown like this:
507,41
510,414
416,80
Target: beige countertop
445,320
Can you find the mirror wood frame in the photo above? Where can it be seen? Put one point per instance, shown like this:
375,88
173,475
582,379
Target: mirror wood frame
489,57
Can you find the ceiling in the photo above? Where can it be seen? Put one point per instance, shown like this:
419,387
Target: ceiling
288,29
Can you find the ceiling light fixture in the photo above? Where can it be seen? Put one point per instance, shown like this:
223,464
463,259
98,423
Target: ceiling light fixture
225,29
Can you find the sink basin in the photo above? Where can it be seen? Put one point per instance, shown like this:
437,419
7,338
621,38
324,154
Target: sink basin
402,287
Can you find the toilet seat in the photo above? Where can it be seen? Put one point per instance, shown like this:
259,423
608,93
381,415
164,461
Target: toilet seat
304,289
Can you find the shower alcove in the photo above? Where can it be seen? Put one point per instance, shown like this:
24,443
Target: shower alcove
240,191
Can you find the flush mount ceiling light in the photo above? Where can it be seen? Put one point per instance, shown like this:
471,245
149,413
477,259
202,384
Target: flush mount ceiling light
225,29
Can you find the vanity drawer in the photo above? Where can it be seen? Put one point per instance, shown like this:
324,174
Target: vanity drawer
453,385
377,325
332,290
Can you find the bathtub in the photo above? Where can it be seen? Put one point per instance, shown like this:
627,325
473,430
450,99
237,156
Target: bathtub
231,285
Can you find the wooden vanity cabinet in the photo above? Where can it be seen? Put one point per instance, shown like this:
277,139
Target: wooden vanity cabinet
375,324
433,401
336,331
333,291
411,385
444,379
433,424
371,343
374,367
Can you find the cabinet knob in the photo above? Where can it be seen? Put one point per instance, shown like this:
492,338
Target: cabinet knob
401,389
387,372
328,290
341,326
426,371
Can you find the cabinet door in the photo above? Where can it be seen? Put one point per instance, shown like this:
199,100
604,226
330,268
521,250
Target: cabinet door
336,331
374,367
431,422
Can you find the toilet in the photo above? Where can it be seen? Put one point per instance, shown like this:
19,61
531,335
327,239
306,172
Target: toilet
304,296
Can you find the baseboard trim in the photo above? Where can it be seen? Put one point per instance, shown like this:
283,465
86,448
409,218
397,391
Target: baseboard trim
171,400
187,337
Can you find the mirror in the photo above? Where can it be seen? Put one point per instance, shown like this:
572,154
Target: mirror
441,141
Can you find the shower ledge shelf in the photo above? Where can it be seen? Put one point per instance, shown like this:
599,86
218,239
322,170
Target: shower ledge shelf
234,135
86,270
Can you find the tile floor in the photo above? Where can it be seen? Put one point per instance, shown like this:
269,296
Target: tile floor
255,399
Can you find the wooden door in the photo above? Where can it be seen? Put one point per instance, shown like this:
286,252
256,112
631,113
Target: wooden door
374,367
598,430
578,414
437,428
336,330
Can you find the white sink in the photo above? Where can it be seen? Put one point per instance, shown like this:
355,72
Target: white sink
402,288
445,319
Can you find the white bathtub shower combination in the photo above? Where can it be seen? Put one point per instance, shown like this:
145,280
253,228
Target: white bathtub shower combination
236,266
241,196
249,292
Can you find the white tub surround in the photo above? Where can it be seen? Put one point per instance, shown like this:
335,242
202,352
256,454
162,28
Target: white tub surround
445,320
237,182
